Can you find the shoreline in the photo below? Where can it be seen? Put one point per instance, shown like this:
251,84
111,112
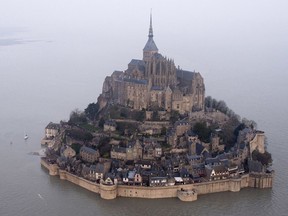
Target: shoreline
187,192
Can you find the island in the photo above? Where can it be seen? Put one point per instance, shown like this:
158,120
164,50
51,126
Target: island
153,134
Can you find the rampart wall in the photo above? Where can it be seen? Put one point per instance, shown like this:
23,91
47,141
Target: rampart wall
112,191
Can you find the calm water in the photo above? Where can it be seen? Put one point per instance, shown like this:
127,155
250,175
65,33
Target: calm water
36,88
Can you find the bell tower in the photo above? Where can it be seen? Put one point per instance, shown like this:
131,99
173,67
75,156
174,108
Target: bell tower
150,47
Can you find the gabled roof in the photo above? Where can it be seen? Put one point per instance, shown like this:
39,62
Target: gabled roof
88,150
52,125
136,62
220,169
186,75
191,133
119,149
212,161
99,168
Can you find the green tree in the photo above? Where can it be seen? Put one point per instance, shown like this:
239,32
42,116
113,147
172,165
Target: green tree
203,132
101,122
139,115
265,158
163,131
76,147
230,131
175,116
104,147
78,134
77,117
92,110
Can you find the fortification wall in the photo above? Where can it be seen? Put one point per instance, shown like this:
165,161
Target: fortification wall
233,185
112,191
150,192
261,181
108,191
91,186
52,168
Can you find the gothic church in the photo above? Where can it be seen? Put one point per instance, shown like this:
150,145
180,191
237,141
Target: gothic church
155,83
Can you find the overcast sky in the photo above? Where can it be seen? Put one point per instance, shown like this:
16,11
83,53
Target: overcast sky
228,41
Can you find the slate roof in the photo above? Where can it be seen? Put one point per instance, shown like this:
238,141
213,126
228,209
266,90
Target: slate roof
156,88
199,148
191,133
131,174
99,168
136,62
242,145
52,125
150,45
88,150
110,122
119,149
212,161
131,80
186,75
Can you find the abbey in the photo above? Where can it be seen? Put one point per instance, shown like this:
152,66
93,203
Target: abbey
154,83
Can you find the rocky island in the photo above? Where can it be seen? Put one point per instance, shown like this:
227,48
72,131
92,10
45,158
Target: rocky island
153,134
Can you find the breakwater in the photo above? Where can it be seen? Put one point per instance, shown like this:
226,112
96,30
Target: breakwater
254,180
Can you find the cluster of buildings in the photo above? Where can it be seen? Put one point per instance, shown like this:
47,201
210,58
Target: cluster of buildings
146,161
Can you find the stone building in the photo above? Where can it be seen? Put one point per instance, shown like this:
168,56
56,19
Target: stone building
89,155
110,125
182,127
51,130
133,151
154,82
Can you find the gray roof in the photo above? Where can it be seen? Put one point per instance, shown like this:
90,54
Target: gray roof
199,148
186,75
156,88
143,82
136,62
110,122
150,45
119,149
131,174
88,150
52,125
212,161
99,168
191,133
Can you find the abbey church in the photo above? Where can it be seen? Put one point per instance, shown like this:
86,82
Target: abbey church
155,83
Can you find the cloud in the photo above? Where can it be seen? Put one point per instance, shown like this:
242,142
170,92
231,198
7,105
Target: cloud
14,41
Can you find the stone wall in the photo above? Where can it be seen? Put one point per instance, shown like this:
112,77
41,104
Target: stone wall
261,181
258,142
91,186
255,180
52,168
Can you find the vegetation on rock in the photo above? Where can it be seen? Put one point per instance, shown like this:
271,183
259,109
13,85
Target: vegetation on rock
265,158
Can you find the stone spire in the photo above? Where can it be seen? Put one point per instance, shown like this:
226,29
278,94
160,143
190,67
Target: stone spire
150,47
150,28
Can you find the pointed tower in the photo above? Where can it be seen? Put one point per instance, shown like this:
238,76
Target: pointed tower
150,47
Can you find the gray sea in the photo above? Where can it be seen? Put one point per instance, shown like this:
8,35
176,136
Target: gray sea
39,83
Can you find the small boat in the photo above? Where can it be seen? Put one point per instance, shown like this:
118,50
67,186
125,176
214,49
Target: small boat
26,137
